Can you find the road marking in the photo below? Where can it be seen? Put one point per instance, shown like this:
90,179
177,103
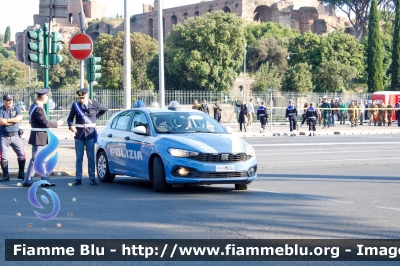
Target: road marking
388,208
324,144
340,160
309,197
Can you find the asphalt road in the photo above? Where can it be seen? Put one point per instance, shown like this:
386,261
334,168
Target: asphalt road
307,187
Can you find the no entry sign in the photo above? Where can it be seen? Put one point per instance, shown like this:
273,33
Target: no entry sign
80,46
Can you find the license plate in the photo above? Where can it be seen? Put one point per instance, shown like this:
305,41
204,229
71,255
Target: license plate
225,168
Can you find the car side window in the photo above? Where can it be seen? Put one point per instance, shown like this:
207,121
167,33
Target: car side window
140,119
121,121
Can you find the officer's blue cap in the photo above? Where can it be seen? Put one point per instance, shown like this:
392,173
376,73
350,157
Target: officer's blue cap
82,92
43,91
139,103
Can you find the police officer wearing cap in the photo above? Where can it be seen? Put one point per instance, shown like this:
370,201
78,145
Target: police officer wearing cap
38,137
10,116
85,112
312,117
291,115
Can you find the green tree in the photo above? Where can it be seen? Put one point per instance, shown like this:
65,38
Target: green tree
374,58
306,48
266,50
331,75
13,73
257,31
65,74
1,38
267,76
206,51
298,78
7,35
395,82
143,49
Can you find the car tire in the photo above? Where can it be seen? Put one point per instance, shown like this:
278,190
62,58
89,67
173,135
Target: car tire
240,186
103,170
159,183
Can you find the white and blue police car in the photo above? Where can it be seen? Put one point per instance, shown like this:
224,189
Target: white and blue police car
173,147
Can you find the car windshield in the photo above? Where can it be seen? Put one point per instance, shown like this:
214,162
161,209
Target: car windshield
185,122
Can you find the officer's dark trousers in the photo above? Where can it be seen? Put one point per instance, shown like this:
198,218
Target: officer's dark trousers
30,172
311,124
263,121
293,123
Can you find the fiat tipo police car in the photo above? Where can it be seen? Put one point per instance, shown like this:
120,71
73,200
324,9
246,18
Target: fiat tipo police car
173,147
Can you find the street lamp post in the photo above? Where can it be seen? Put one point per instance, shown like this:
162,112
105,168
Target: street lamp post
244,71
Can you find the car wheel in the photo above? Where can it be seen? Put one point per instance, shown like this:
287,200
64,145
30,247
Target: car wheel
240,186
103,171
159,183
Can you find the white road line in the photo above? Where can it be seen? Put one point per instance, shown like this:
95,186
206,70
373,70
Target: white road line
340,160
325,144
388,208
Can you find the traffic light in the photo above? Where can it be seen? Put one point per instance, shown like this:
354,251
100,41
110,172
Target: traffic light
37,46
55,47
92,68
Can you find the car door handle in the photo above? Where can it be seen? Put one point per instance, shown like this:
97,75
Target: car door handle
127,138
109,135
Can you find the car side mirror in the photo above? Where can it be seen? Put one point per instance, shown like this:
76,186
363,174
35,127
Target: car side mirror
229,130
140,130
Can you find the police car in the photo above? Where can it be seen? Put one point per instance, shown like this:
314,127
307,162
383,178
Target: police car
173,147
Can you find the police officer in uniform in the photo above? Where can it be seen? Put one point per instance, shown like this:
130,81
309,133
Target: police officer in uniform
291,115
204,107
217,110
38,137
312,116
389,114
397,110
326,111
262,115
372,117
351,109
10,116
381,114
85,113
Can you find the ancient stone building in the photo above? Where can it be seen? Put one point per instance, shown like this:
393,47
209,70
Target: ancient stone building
297,14
90,10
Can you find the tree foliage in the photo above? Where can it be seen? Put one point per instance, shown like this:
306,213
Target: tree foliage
267,76
143,49
395,82
206,51
266,50
298,78
256,31
65,74
331,75
13,73
374,49
7,35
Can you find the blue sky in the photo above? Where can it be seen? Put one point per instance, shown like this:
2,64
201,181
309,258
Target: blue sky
8,12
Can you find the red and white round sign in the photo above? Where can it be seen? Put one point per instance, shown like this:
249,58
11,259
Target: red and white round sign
80,46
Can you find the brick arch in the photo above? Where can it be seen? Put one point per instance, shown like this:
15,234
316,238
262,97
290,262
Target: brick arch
197,13
264,14
226,9
150,28
174,20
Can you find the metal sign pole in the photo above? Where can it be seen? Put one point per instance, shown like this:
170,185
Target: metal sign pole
82,79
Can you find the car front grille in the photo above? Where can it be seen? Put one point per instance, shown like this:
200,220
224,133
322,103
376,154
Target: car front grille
220,175
221,157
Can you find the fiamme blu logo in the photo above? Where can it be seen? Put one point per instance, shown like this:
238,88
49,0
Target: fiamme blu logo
44,165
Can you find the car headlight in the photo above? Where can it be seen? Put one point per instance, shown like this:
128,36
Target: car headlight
182,153
251,152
